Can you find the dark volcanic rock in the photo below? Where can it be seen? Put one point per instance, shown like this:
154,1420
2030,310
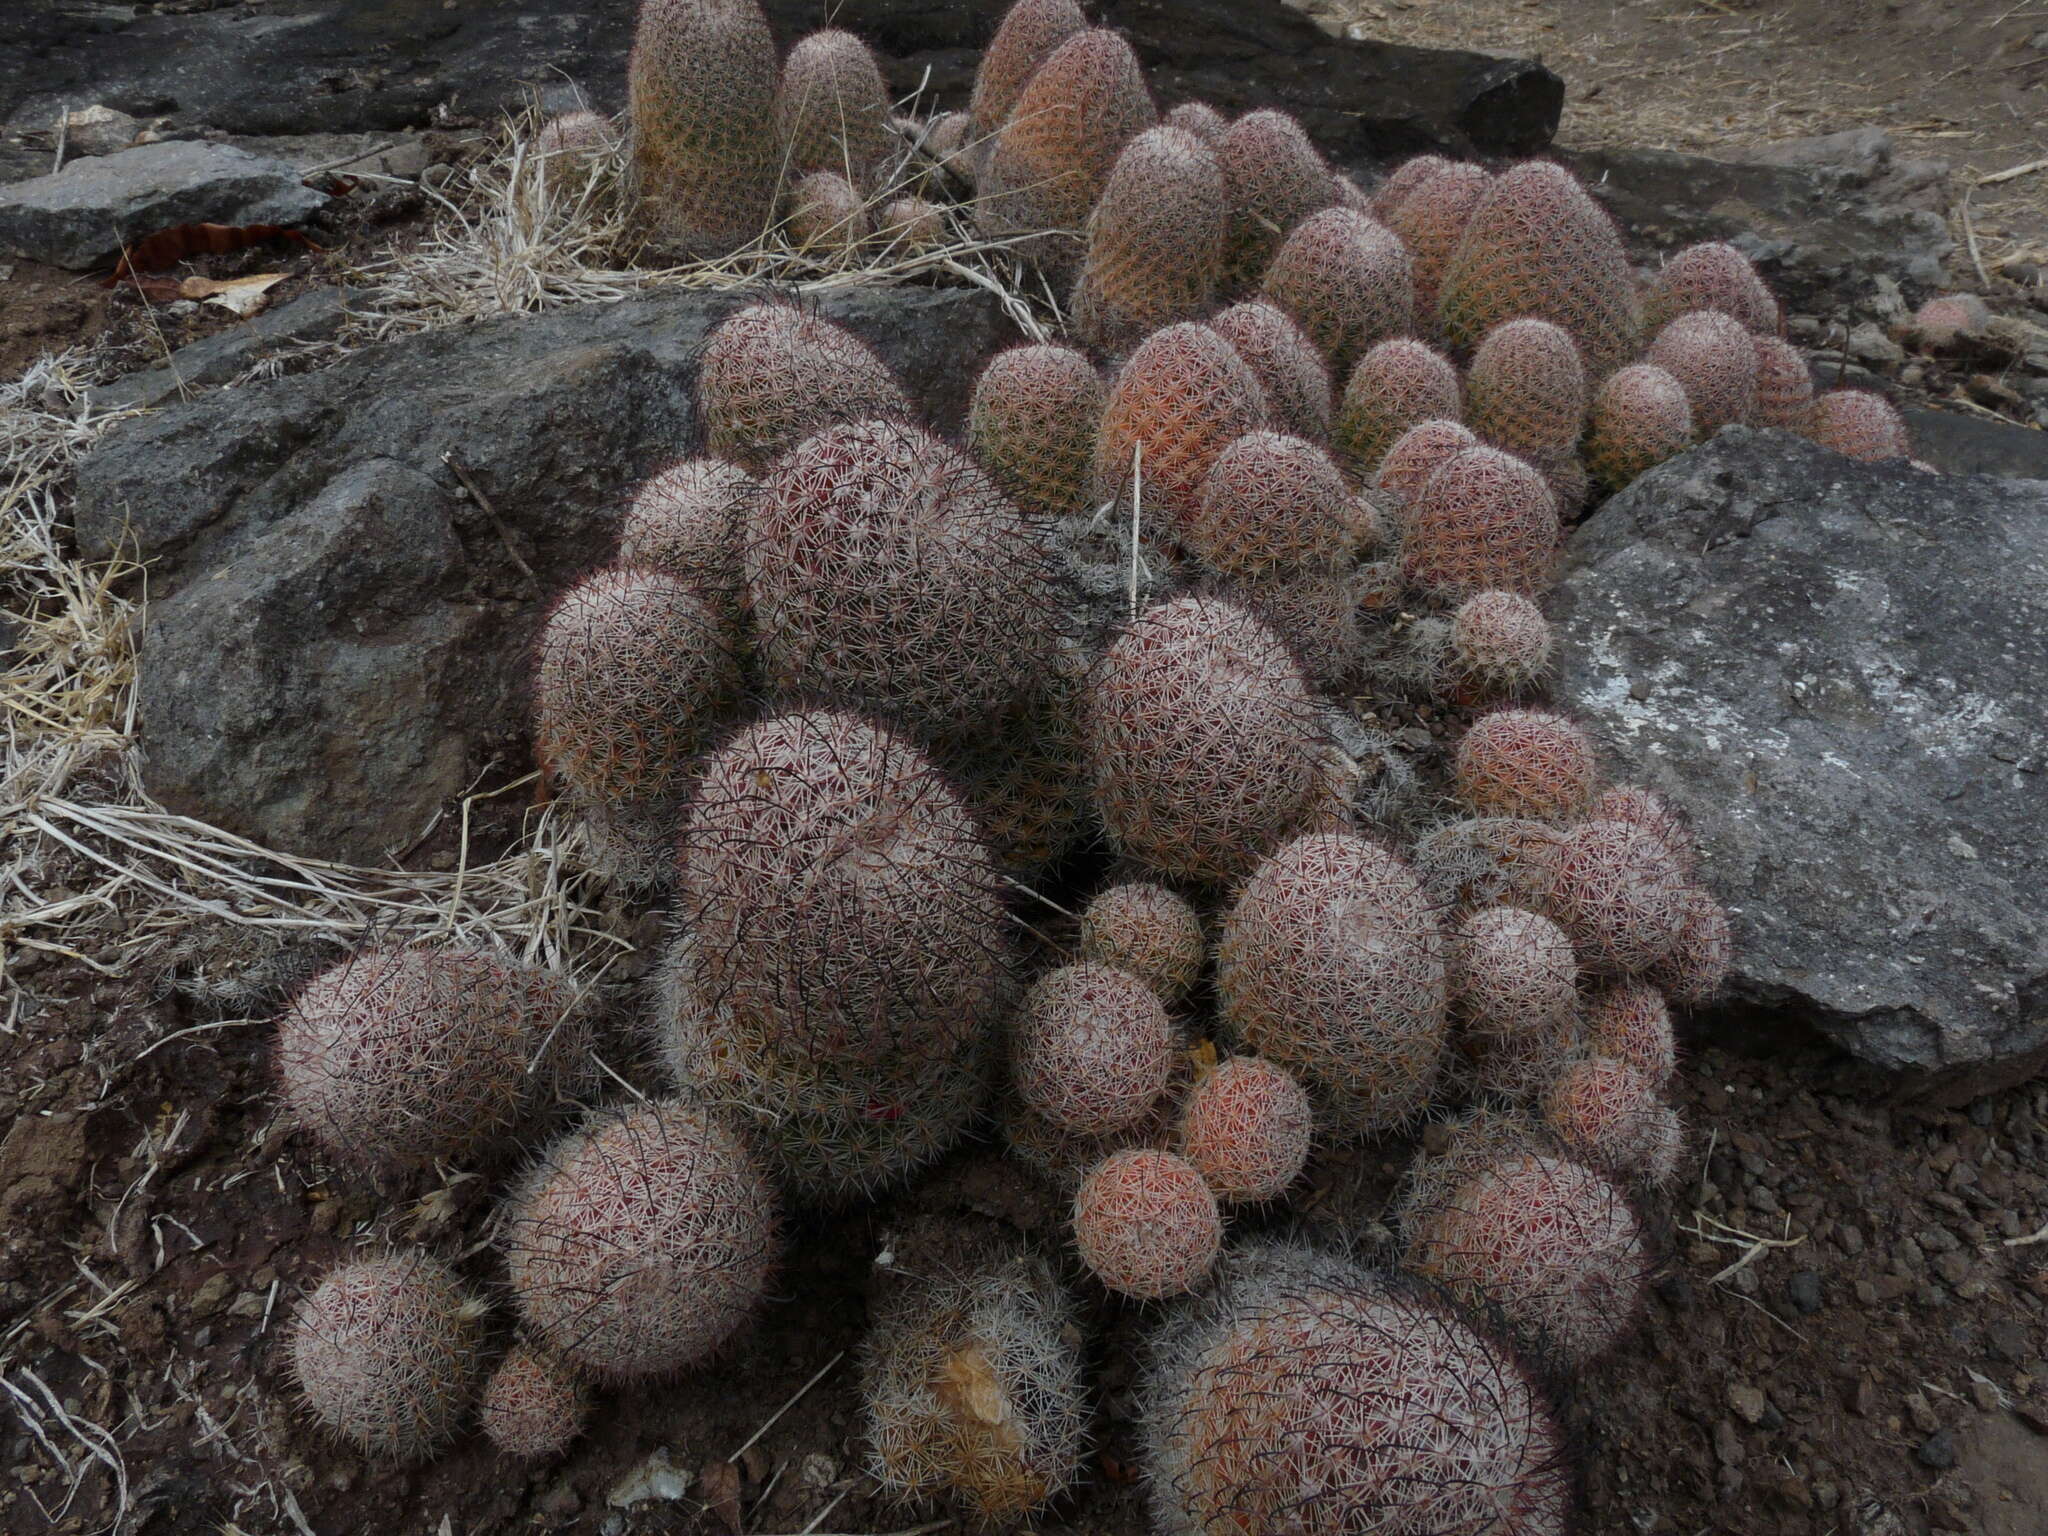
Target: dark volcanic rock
337,635
1841,669
304,66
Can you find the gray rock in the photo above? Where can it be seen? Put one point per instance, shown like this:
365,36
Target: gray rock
1869,343
82,216
337,634
1957,444
226,355
1839,668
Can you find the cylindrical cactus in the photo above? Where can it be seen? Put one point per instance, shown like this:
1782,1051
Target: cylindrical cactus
642,1242
1155,241
1527,763
387,1352
1198,118
1347,282
1033,422
1859,424
1714,360
1030,33
1499,646
1286,363
1617,891
773,374
1179,400
533,1405
832,110
1091,1048
1416,455
1784,386
827,216
1640,418
686,521
1146,1224
1404,179
700,89
1272,505
1431,221
1148,931
1714,276
1332,965
1201,738
1246,1128
1276,178
1395,386
1483,521
1526,390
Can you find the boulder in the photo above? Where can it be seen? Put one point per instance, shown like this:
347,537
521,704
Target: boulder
1841,669
338,633
84,214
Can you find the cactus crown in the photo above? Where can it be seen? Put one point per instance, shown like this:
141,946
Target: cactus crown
1712,276
832,110
1346,280
1276,178
1155,241
1396,385
1290,371
774,373
1031,31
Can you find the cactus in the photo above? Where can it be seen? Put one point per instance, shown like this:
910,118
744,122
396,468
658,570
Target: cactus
1537,244
1461,1146
1416,455
1146,1225
1526,763
1031,31
1246,1129
1179,400
642,1242
1316,1397
1332,965
1033,422
576,136
397,1056
1640,417
1551,1243
1511,973
1091,1049
1155,241
1431,221
1629,1021
827,217
1201,739
884,568
1275,178
1713,276
1053,155
1405,179
1656,815
685,521
1396,385
832,110
1148,931
631,669
1198,118
1526,390
700,89
1499,646
1714,360
773,374
913,223
1272,505
1784,386
1314,614
1489,860
1290,371
533,1405
1483,521
1517,1069
1618,893
1611,1117
1346,281
1938,322
386,1352
1696,967
1859,424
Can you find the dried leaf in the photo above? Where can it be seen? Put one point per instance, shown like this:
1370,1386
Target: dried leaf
243,295
718,1485
967,1381
1203,1059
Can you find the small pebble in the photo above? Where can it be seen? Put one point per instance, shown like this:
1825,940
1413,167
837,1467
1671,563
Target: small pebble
1804,1291
1938,1451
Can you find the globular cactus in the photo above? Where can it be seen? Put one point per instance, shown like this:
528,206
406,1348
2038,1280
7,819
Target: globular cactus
1036,412
685,521
1290,371
1630,1021
1468,864
1179,400
1272,505
1091,1048
1276,178
1499,646
1145,929
1202,739
1315,1397
884,568
1198,118
1027,778
533,1405
1511,973
1346,281
1397,385
1315,615
632,669
1610,1116
642,1242
773,374
386,1352
1713,276
1696,967
700,90
832,110
1053,155
576,136
1784,386
1246,1129
1526,763
1483,521
1656,815
1146,1224
1939,321
952,148
827,217
1332,965
1640,417
1456,1148
399,1056
1430,221
1526,390
1538,244
1416,455
1155,241
1404,179
1859,424
973,1390
913,223
1714,360
1617,892
1031,31
1516,1069
1550,1243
